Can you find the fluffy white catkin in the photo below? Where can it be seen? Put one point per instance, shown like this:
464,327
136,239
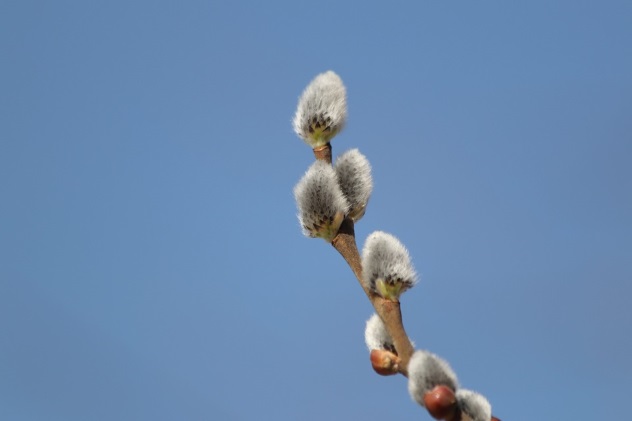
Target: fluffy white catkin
321,204
322,110
386,266
474,404
354,175
376,336
426,371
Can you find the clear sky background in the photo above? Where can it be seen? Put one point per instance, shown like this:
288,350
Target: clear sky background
151,263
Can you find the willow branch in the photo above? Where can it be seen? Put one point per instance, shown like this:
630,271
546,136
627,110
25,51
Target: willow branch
389,311
323,153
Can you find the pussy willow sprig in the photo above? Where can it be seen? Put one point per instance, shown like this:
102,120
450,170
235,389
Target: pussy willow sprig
330,200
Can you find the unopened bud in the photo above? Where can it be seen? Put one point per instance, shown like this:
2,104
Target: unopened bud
385,362
440,402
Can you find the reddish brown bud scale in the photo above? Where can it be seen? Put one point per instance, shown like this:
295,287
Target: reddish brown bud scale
385,363
440,402
323,153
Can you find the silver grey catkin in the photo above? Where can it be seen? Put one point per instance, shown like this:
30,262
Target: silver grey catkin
354,175
321,204
322,110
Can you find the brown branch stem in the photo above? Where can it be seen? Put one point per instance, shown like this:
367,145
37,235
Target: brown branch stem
389,311
323,153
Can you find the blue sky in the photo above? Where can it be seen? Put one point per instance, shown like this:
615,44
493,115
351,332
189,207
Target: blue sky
151,262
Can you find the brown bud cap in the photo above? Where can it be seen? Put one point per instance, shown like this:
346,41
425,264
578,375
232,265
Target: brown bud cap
323,153
440,402
385,363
